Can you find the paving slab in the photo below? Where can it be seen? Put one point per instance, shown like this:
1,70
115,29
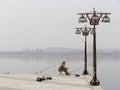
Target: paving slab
58,82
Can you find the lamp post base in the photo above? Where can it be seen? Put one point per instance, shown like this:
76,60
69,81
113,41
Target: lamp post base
94,82
85,72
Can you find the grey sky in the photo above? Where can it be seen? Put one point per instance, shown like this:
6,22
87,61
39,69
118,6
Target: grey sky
51,23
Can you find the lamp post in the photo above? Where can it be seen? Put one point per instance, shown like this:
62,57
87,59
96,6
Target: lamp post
94,19
85,32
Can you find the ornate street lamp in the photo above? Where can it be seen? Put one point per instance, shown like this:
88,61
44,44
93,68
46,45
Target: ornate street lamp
85,32
94,19
82,19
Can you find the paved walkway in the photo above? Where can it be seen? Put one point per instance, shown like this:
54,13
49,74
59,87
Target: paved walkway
58,82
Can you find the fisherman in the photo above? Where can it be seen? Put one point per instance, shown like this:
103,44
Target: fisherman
63,68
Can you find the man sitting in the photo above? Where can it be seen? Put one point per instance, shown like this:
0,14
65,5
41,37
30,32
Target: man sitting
63,68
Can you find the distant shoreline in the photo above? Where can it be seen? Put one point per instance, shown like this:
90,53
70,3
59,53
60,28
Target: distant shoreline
59,52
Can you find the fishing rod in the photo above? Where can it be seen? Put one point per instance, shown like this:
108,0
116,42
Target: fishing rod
47,68
79,68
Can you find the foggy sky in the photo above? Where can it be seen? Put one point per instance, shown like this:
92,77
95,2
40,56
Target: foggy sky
51,23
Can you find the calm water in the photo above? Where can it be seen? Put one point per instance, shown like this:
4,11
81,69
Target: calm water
107,66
